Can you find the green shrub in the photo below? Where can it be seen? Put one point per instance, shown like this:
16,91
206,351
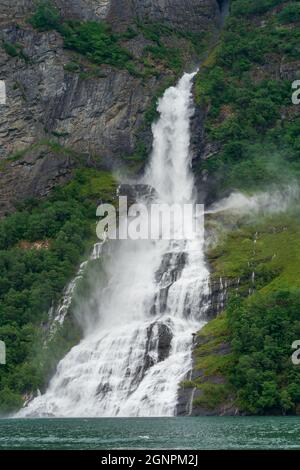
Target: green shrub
46,16
213,395
92,39
9,401
72,67
290,14
242,7
11,49
15,50
262,332
169,55
95,41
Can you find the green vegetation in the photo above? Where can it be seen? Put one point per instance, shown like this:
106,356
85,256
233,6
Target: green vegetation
243,357
46,16
92,39
250,7
42,243
275,257
96,42
250,110
72,67
156,33
213,395
11,49
100,45
41,246
260,328
254,128
51,145
263,329
290,14
213,366
254,372
170,56
15,50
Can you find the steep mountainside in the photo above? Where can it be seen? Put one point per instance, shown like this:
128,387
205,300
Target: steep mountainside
250,143
100,106
82,79
82,82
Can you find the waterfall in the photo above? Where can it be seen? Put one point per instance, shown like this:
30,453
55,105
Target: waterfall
132,361
58,314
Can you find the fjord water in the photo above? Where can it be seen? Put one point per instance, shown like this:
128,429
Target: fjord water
152,433
131,362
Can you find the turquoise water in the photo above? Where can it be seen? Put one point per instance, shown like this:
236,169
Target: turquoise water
152,433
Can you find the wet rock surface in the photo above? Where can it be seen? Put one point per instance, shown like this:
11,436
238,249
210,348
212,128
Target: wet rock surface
158,346
137,192
219,293
188,395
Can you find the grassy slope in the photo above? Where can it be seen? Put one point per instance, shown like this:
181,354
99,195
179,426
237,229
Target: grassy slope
275,260
275,257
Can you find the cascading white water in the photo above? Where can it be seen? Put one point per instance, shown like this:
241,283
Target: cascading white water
132,362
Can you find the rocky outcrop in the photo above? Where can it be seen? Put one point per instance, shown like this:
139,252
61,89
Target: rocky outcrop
187,15
188,398
157,349
11,10
190,390
35,174
82,9
92,115
219,295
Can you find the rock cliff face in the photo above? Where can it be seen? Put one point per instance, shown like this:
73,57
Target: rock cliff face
187,15
213,346
83,9
91,115
189,397
192,14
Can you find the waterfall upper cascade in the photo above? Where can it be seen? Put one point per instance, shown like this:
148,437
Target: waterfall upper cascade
132,362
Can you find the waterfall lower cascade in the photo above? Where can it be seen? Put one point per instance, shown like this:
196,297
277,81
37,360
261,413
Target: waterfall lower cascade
132,362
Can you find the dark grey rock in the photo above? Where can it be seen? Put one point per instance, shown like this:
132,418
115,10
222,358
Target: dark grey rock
188,15
100,115
33,176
